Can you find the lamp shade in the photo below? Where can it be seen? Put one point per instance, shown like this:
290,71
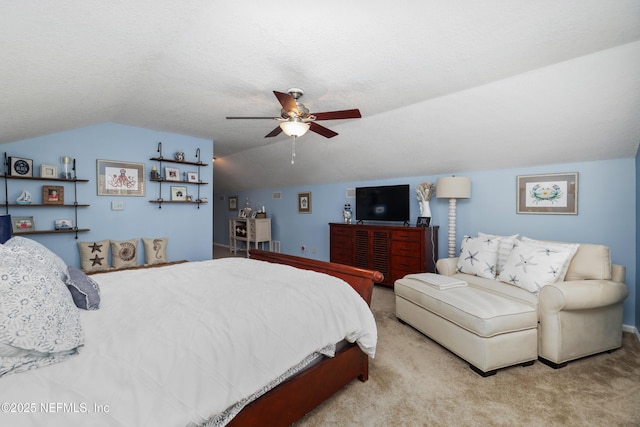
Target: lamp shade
294,127
5,228
453,187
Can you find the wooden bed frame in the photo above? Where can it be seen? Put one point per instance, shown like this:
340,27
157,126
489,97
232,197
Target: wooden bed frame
295,397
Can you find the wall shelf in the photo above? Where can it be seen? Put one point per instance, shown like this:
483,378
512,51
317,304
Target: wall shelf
75,205
160,180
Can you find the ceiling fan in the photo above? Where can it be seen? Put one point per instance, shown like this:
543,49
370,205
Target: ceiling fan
295,119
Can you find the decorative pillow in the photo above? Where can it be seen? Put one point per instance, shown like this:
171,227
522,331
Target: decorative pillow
155,250
505,246
571,247
532,266
37,315
478,256
124,253
84,290
40,253
94,256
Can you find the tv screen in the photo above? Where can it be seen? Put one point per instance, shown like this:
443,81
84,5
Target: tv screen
383,203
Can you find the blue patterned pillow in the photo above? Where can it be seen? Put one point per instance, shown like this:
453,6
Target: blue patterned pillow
84,290
40,253
37,314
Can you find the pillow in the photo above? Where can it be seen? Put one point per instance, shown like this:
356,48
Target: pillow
94,256
572,247
505,245
37,315
124,253
155,250
84,290
533,266
478,256
40,253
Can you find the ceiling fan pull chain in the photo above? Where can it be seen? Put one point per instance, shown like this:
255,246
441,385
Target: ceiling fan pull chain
293,149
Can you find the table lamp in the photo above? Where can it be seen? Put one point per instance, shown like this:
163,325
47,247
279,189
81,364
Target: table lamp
453,188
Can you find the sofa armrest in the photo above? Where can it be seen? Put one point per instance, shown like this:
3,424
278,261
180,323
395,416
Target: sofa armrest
447,266
581,295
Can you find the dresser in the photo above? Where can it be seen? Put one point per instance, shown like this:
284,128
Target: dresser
395,251
256,230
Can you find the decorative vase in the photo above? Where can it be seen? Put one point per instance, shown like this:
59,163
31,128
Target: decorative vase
425,209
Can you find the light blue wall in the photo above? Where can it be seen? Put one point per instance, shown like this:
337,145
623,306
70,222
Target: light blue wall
606,215
189,229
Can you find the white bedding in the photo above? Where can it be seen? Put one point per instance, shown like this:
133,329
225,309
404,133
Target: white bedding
165,348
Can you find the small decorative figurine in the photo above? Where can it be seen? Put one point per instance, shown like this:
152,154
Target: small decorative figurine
347,214
179,156
24,198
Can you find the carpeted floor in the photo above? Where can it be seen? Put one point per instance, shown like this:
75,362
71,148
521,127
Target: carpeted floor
414,381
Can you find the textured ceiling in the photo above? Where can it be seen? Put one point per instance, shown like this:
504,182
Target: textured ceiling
443,86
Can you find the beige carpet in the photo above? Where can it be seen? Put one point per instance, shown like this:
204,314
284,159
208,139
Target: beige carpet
413,381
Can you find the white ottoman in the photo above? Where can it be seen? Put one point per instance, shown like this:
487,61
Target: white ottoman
487,330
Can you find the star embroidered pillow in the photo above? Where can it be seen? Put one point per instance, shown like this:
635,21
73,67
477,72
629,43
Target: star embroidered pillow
505,245
478,256
533,266
94,256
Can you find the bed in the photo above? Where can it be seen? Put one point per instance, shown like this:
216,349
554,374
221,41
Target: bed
134,369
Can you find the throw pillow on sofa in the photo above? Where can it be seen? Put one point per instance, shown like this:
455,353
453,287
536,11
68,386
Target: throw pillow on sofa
505,246
571,247
532,266
478,256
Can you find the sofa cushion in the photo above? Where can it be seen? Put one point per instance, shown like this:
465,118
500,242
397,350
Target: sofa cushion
591,262
532,266
482,313
505,246
478,256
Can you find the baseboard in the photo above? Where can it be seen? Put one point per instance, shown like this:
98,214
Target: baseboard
631,329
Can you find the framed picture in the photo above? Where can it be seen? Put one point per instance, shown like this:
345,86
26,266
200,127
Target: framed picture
23,223
48,171
20,167
178,194
117,178
171,174
53,195
304,202
233,203
192,177
63,224
548,194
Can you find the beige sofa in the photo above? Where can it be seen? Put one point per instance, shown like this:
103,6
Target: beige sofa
492,324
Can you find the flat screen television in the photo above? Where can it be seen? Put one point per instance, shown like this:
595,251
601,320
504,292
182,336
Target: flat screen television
382,203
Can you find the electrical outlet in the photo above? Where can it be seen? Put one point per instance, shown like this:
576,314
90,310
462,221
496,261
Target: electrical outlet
117,206
313,249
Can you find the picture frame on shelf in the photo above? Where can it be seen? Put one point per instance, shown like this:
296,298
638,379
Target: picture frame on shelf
117,178
548,194
48,171
19,166
23,223
178,193
233,203
63,224
171,174
304,202
52,195
192,177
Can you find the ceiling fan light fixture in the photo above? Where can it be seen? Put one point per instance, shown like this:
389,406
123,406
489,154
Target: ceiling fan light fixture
294,127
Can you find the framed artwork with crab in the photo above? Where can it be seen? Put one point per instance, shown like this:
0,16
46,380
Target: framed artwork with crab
117,178
548,194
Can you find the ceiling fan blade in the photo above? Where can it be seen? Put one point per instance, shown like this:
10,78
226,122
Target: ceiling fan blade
254,118
287,101
337,115
274,132
327,133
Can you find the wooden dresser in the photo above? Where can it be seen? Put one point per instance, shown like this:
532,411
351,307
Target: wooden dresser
393,250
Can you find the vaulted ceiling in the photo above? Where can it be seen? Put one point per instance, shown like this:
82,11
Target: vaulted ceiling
443,86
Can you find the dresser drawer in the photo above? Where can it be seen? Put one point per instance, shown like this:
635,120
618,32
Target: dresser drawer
408,234
405,248
341,231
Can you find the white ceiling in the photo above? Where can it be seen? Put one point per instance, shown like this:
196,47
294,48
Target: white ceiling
443,86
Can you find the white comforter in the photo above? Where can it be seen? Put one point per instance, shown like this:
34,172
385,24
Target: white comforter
176,345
